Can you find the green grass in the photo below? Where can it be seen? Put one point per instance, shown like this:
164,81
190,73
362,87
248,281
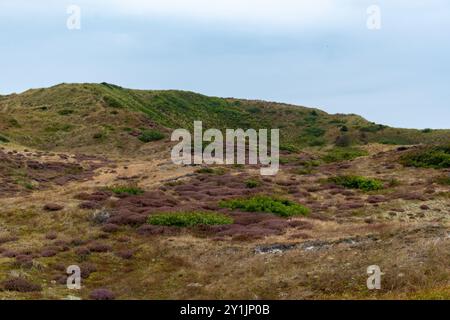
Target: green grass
151,135
358,182
437,157
126,189
342,154
277,206
188,219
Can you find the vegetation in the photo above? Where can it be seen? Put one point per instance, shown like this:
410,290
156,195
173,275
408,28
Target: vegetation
4,139
64,115
151,135
444,180
357,182
437,157
188,219
277,206
209,170
342,154
126,190
252,183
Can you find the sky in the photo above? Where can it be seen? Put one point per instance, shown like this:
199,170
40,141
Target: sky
316,53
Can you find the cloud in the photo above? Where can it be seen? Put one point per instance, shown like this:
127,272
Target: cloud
265,14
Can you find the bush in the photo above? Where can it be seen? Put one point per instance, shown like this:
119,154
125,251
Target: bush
112,102
4,139
188,219
444,180
343,141
151,135
126,189
289,147
357,182
279,207
102,294
207,170
252,183
437,157
342,154
317,142
20,285
65,112
314,132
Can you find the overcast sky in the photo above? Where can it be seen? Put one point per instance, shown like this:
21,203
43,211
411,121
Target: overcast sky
317,53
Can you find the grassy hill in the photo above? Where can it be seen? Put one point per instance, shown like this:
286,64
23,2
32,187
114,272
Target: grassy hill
109,118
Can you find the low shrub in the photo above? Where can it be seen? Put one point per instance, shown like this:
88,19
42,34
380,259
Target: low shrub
342,154
357,182
277,206
289,148
188,219
126,189
252,183
20,285
65,112
208,170
444,180
4,139
102,294
151,135
112,102
437,157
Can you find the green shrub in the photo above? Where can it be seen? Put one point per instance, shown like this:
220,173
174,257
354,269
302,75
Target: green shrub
252,183
317,142
444,180
343,141
126,189
289,147
437,157
341,154
208,170
373,128
188,219
277,206
65,112
151,135
357,182
4,139
314,132
254,110
112,102
98,135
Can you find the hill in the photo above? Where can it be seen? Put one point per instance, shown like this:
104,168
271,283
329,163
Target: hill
110,119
